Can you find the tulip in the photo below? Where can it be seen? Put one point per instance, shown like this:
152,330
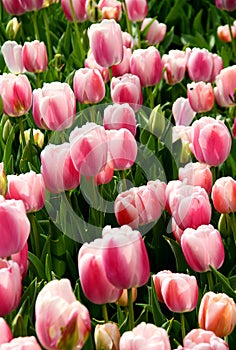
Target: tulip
201,339
22,343
200,96
182,111
59,175
105,41
156,31
203,248
225,87
5,332
12,28
202,65
32,5
174,66
119,116
111,9
149,73
224,195
34,56
14,226
223,32
126,208
145,335
91,63
125,257
38,137
171,186
123,300
88,85
210,141
190,206
11,282
92,273
136,9
177,290
234,128
21,258
88,149
122,148
3,180
12,53
124,66
127,89
105,175
176,230
196,174
54,106
217,313
227,5
79,7
107,336
127,40
13,7
62,322
16,94
29,187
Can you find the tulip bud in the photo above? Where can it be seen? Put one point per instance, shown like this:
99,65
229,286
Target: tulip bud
224,225
6,130
3,180
157,123
107,336
12,28
37,135
123,300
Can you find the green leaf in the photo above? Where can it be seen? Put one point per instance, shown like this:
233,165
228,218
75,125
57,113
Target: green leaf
197,23
225,283
181,264
158,316
37,265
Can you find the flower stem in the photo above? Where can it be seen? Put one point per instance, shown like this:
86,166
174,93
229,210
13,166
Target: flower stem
35,236
210,280
22,133
128,23
182,325
231,36
233,226
105,313
151,97
35,24
49,46
131,309
77,30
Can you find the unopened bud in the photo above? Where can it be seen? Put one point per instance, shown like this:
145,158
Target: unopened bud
224,225
38,137
157,122
107,336
123,300
6,130
3,180
12,28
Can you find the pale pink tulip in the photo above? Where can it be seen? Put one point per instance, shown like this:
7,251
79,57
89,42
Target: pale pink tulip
156,31
124,66
223,32
119,116
196,174
12,53
182,112
91,63
21,258
174,66
137,9
111,9
34,56
22,343
107,336
203,340
225,87
224,195
5,332
79,7
200,96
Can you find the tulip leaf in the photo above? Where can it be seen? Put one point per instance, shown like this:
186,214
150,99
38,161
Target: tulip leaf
89,345
37,265
158,316
225,283
8,148
181,264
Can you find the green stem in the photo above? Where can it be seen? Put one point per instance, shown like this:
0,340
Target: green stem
77,30
110,73
128,23
49,46
138,27
213,171
35,24
231,35
131,309
182,325
210,281
151,97
233,226
105,313
34,234
22,131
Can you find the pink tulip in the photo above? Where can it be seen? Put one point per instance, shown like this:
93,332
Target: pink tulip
12,53
105,41
105,175
59,175
140,205
124,66
111,9
223,32
62,322
174,66
21,258
119,116
177,290
89,149
125,257
13,7
34,56
196,174
54,106
32,5
88,85
200,96
22,343
203,340
16,94
217,313
79,7
234,128
95,284
122,148
14,226
224,195
190,206
91,63
149,73
203,247
137,9
156,31
29,187
145,335
182,111
202,65
127,89
210,141
225,87
227,5
127,40
176,230
5,332
10,286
